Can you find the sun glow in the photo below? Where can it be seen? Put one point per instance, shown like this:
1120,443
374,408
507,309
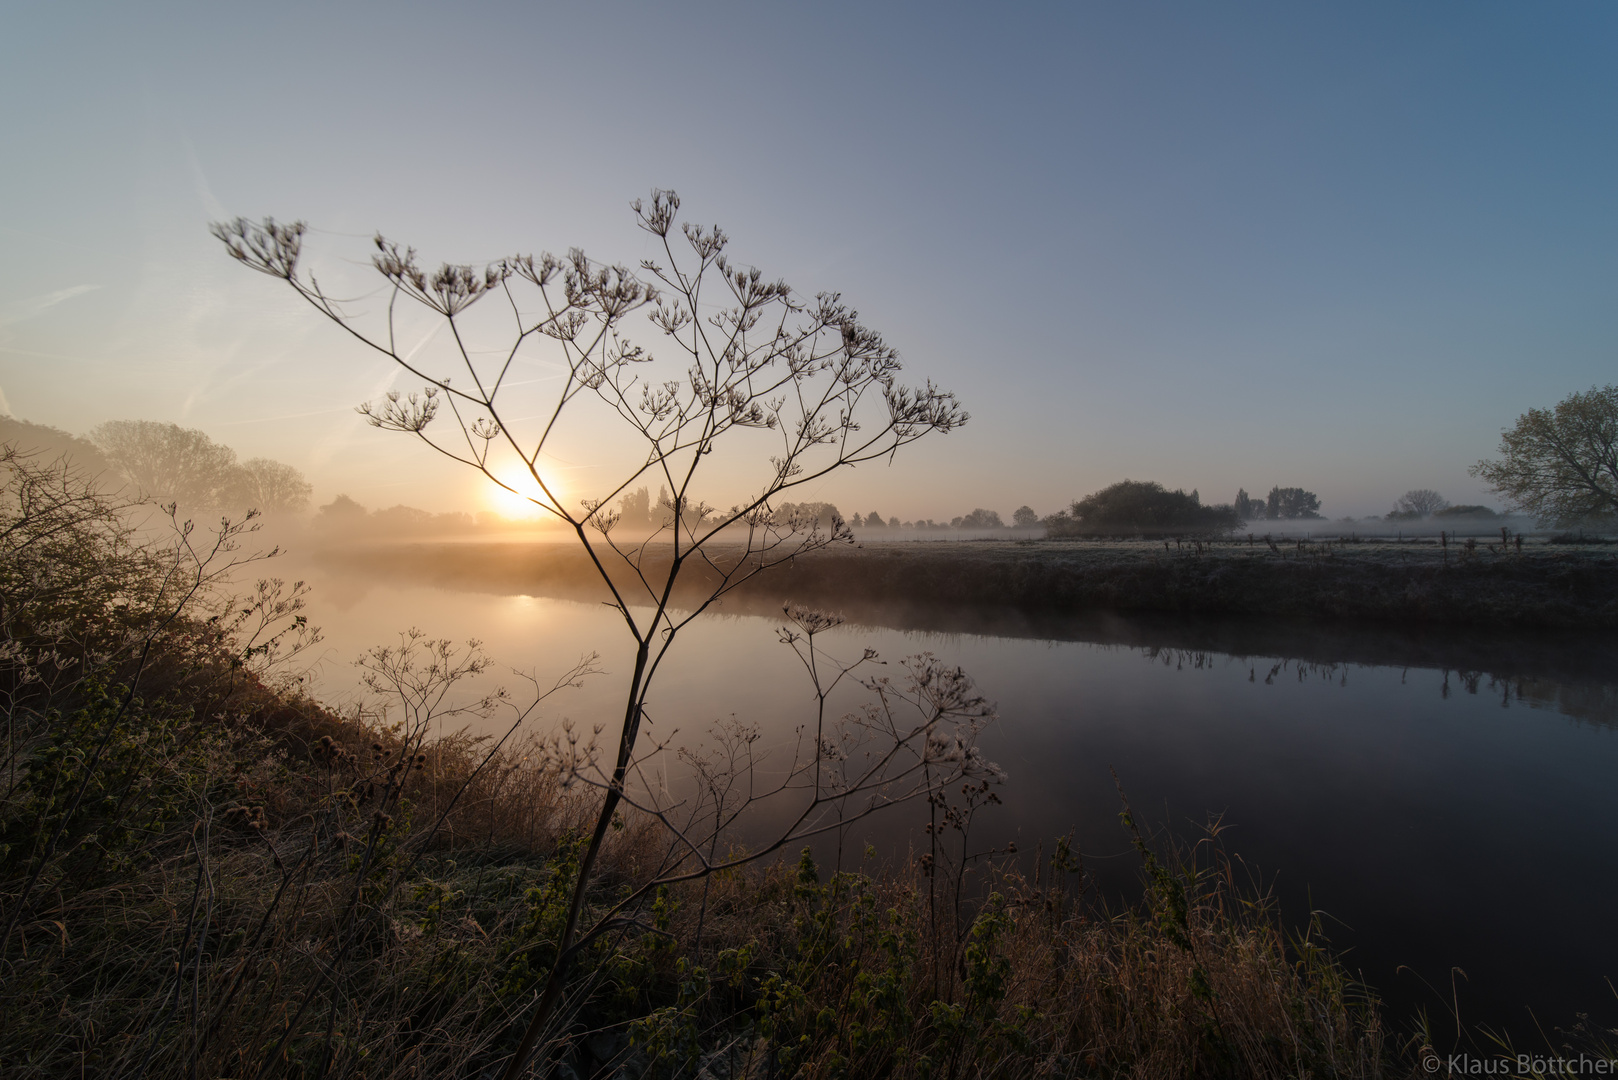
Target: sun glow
519,503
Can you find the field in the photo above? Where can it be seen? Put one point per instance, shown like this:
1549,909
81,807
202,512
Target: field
1493,586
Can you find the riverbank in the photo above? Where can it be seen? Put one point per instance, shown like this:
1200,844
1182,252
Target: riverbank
205,871
1498,587
258,885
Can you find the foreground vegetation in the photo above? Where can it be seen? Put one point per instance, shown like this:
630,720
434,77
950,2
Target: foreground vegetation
205,872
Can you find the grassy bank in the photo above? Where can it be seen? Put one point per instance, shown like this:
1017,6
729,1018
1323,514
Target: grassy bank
256,901
282,910
1498,587
204,872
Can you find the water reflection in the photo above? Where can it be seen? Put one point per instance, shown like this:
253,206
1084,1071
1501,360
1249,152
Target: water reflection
1446,798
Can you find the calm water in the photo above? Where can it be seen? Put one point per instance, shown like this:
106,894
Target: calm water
1461,811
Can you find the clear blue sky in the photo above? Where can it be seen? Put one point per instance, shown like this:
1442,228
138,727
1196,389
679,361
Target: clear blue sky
1215,245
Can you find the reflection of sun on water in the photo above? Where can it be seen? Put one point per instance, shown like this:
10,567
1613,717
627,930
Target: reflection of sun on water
518,504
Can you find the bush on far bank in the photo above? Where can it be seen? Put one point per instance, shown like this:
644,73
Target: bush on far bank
1142,508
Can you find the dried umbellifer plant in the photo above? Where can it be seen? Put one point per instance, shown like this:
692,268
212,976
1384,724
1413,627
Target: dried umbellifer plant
753,386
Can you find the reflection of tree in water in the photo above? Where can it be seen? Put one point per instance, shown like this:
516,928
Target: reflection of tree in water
1199,659
1180,659
1588,703
1584,702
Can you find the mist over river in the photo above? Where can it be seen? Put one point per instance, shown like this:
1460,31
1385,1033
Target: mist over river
1445,799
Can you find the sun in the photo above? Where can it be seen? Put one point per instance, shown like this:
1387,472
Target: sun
517,504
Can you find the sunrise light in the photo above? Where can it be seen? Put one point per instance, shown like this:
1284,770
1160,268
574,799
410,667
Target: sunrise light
522,499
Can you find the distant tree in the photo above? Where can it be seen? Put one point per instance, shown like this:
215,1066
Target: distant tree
170,462
983,519
690,515
272,487
955,522
402,519
1418,503
167,461
1465,512
1290,503
1024,517
342,512
873,520
52,443
1133,506
1245,507
856,521
1561,464
635,509
346,517
806,514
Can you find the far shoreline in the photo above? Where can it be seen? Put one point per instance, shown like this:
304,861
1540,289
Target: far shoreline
1488,586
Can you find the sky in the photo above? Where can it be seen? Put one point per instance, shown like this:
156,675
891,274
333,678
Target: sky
1228,245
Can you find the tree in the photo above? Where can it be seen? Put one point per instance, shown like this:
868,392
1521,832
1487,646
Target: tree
1560,464
272,487
1418,503
873,520
1134,506
52,443
805,514
1245,507
635,509
342,512
168,461
1291,503
401,519
1024,517
982,519
757,380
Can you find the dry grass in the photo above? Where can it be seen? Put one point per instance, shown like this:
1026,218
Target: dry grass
276,926
854,977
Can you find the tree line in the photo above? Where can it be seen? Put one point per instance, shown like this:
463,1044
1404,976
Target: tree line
171,464
638,510
1282,504
1420,503
1559,465
1023,517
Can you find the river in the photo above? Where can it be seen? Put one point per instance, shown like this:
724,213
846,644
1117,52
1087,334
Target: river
1444,800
